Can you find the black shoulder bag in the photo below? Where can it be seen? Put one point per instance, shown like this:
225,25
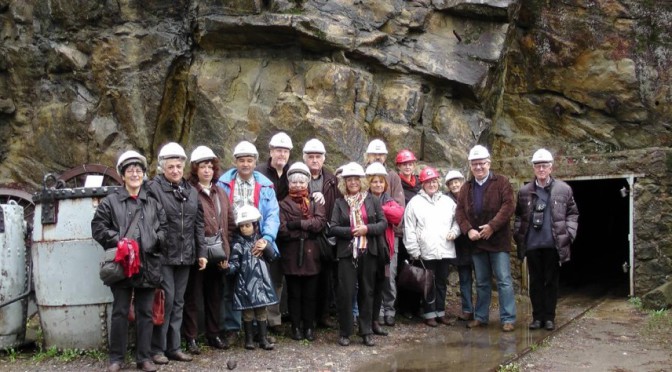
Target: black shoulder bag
215,244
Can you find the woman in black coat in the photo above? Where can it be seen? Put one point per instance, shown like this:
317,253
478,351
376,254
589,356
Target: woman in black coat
359,224
301,219
113,221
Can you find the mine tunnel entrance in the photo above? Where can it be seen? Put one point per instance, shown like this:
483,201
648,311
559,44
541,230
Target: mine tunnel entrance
602,252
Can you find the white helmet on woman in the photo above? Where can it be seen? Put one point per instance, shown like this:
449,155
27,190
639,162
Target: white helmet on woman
453,174
202,153
352,170
130,157
172,150
298,167
376,169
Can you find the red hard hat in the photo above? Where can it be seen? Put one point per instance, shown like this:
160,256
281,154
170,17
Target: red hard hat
428,174
404,156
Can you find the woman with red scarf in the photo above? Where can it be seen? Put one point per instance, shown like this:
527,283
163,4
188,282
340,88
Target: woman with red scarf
301,219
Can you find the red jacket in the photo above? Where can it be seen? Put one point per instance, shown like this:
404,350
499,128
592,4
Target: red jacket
394,214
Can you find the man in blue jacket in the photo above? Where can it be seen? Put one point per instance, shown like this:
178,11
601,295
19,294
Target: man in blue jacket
245,186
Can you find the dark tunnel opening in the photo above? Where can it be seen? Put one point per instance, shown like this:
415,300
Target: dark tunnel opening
600,254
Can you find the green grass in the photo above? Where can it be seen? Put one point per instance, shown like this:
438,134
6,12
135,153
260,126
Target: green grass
636,302
511,367
11,354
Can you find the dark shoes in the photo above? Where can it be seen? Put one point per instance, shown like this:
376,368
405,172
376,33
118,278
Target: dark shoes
476,323
535,324
368,340
179,356
217,343
389,320
377,329
344,341
146,366
264,343
159,359
249,335
297,334
431,322
192,347
466,316
445,320
309,334
549,325
114,367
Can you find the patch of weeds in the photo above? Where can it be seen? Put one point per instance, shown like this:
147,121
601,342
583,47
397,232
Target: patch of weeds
511,367
11,354
304,342
96,354
658,325
44,354
68,355
636,302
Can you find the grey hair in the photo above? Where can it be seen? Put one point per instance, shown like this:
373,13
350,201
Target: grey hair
298,177
305,156
162,162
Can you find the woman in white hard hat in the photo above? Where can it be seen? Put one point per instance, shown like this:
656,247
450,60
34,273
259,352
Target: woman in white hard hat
301,219
205,286
383,307
463,262
125,218
358,223
185,246
430,229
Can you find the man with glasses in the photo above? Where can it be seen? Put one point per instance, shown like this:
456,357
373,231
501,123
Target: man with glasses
484,208
547,206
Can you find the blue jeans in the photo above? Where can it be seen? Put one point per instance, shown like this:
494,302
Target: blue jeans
485,265
466,283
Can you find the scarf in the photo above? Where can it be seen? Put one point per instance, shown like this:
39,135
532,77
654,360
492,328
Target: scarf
128,254
301,198
410,180
355,203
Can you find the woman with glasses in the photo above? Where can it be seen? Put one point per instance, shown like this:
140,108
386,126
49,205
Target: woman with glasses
129,218
430,229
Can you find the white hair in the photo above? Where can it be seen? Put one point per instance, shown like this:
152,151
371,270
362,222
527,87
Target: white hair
162,162
298,177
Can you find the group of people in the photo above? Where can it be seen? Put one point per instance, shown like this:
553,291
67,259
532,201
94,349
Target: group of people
272,220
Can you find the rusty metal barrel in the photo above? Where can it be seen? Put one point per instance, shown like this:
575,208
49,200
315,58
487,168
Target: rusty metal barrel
14,276
74,305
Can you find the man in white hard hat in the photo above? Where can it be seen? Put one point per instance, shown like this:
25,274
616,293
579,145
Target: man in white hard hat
275,169
484,209
323,188
245,186
545,226
185,245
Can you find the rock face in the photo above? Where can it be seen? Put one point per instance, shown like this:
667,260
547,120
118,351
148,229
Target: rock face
83,80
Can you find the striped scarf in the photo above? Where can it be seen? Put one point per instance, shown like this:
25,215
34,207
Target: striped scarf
359,243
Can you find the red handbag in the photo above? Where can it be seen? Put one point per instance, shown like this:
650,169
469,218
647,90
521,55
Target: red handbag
158,307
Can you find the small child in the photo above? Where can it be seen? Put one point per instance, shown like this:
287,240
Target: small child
254,288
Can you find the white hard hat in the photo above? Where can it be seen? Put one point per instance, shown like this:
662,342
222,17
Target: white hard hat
352,169
281,140
376,169
247,213
298,167
202,153
453,174
314,146
172,150
131,157
245,148
376,147
478,152
542,156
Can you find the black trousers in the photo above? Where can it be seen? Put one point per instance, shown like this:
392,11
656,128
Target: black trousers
435,303
204,286
302,293
544,267
325,291
370,276
144,299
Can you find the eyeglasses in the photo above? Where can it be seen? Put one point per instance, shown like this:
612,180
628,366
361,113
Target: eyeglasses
542,165
480,164
134,171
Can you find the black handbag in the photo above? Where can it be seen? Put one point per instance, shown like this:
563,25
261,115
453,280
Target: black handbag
326,243
214,244
111,271
416,279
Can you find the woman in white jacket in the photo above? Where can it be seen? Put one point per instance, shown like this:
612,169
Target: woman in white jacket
430,230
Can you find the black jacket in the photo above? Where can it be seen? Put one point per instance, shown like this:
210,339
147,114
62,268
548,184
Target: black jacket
376,225
111,219
281,184
186,236
254,287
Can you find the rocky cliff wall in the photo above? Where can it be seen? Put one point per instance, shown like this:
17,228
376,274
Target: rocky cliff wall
83,80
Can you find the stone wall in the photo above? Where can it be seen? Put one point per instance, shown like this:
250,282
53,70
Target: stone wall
83,80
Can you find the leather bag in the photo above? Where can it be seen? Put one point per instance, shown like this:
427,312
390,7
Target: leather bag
158,307
416,279
111,271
